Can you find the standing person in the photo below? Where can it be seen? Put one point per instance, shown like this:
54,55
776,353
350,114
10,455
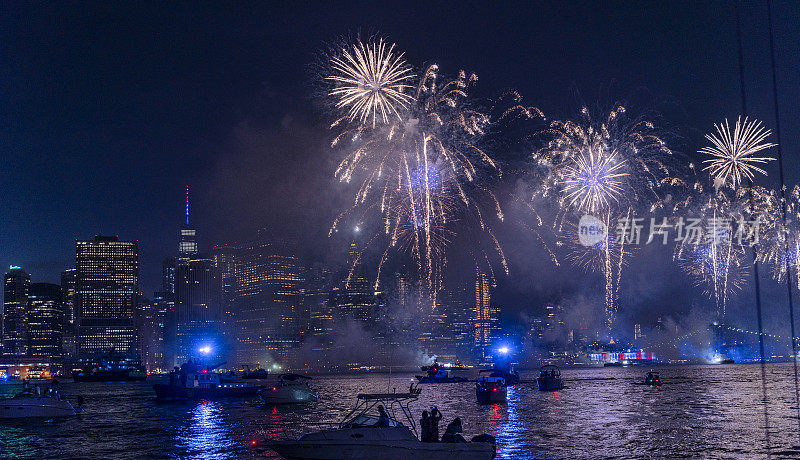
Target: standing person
425,427
383,418
434,421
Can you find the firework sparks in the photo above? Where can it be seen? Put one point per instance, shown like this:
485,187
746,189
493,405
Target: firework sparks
592,181
421,169
608,168
371,82
732,152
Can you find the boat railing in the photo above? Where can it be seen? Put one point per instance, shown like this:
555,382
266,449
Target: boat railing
392,404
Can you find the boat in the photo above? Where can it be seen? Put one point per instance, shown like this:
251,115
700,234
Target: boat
38,403
652,379
509,375
457,366
727,361
491,386
363,435
436,374
254,374
549,378
612,364
195,381
110,368
290,389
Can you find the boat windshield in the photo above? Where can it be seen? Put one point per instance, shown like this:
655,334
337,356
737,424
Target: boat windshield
365,420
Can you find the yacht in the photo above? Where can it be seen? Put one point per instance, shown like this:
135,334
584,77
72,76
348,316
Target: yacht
290,389
109,368
195,381
549,378
363,435
436,374
491,386
38,403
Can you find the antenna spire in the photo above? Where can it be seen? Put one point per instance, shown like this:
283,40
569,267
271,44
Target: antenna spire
187,205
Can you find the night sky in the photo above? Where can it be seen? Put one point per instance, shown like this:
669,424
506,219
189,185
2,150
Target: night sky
109,110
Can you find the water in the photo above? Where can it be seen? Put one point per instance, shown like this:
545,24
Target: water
700,411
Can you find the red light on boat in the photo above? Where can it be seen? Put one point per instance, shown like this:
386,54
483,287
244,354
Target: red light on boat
494,389
205,371
253,442
274,389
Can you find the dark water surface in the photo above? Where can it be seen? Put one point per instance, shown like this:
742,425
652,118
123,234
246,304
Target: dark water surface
699,412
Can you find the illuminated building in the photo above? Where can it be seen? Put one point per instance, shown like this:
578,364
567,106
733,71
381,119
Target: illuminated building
45,320
152,331
68,294
159,354
456,305
168,275
187,245
486,317
15,306
637,332
224,257
107,280
316,299
268,295
355,301
68,302
198,316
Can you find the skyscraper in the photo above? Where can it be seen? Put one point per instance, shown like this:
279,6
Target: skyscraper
198,315
224,257
45,320
485,318
68,301
68,294
168,275
15,308
187,246
268,294
316,300
107,281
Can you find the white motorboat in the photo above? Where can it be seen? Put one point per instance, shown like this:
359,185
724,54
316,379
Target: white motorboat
37,404
549,378
290,389
491,386
366,436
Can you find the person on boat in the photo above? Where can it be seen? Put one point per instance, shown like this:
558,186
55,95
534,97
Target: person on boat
383,419
435,417
453,432
425,427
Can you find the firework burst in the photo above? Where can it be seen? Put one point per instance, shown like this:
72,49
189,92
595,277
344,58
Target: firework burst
371,82
732,152
608,168
420,169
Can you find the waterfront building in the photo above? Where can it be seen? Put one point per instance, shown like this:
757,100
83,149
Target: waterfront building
45,321
15,307
107,284
485,317
198,313
68,288
269,292
224,257
316,299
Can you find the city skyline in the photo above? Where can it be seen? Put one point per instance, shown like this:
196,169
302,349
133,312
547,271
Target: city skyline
253,146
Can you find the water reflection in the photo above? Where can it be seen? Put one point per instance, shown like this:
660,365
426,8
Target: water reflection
207,435
510,433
